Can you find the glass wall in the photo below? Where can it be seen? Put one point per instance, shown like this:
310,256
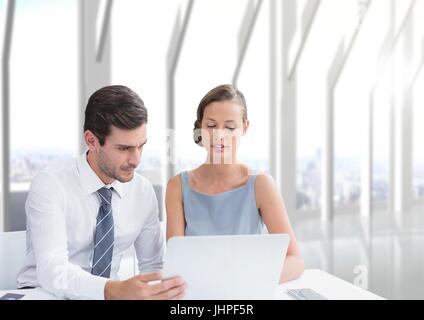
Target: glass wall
254,81
139,62
381,138
44,88
45,110
418,101
313,92
209,58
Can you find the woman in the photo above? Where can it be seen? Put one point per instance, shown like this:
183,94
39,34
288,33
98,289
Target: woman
224,196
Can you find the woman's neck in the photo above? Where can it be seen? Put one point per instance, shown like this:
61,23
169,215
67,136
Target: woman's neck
222,172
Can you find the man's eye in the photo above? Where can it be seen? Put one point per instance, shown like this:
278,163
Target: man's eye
211,126
231,129
123,148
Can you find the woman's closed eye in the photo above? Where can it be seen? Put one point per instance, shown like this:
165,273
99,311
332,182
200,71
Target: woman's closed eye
228,128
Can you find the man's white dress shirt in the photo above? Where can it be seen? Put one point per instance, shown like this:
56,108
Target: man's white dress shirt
61,210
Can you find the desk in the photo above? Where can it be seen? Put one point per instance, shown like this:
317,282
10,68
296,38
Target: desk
327,285
31,294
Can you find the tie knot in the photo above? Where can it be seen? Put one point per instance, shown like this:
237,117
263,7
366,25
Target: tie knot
105,195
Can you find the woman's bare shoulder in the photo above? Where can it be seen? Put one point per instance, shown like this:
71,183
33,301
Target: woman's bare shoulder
174,183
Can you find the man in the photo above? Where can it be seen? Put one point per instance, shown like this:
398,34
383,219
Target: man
83,215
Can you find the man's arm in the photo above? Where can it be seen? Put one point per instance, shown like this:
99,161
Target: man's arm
149,245
45,210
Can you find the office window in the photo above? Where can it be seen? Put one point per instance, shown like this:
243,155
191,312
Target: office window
254,82
3,8
380,86
418,101
140,34
351,103
208,59
354,96
349,112
2,25
418,116
310,126
312,73
353,76
44,88
310,99
381,139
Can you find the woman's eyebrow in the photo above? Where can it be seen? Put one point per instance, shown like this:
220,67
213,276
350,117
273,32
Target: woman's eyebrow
224,121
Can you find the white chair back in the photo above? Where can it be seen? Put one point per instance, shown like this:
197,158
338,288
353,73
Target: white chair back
12,257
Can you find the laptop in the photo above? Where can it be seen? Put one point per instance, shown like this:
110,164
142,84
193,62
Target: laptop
227,267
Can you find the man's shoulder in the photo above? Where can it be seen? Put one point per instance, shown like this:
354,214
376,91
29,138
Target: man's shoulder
61,167
60,171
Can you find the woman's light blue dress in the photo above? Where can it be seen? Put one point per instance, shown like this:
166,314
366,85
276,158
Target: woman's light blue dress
227,213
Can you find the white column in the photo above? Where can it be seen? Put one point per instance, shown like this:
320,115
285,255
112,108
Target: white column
275,90
403,127
95,57
173,57
287,117
5,94
367,159
327,176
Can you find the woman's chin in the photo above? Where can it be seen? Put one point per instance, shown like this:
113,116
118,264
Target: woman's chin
220,158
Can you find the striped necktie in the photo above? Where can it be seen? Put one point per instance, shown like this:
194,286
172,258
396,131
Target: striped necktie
104,236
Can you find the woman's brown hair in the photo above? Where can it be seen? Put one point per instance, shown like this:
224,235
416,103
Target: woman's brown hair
224,92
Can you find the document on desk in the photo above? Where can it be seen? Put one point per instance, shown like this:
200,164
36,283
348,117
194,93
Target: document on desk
305,294
12,296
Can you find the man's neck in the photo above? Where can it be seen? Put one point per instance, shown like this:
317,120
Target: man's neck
93,165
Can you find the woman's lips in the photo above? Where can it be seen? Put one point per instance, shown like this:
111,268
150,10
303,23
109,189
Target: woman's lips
218,147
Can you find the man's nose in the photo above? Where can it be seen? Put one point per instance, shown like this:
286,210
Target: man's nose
134,159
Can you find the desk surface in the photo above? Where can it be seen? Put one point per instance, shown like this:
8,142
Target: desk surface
327,285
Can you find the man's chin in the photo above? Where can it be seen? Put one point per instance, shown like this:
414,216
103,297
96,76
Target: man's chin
126,177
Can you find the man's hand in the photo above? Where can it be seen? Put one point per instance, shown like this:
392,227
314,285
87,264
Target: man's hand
138,288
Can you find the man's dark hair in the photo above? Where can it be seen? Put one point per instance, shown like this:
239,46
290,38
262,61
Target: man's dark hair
117,106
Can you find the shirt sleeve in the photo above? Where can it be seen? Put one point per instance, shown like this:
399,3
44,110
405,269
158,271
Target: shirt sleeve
46,221
149,245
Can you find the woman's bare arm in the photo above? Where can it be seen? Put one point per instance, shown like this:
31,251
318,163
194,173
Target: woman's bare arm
274,214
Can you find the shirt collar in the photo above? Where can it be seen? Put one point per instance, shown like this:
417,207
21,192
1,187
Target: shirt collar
89,180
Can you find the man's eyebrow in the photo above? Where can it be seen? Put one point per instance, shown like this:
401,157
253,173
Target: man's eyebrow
129,146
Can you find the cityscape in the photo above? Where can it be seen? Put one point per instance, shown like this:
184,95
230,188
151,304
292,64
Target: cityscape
347,184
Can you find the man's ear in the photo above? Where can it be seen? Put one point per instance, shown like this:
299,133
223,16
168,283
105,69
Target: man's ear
91,140
245,126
